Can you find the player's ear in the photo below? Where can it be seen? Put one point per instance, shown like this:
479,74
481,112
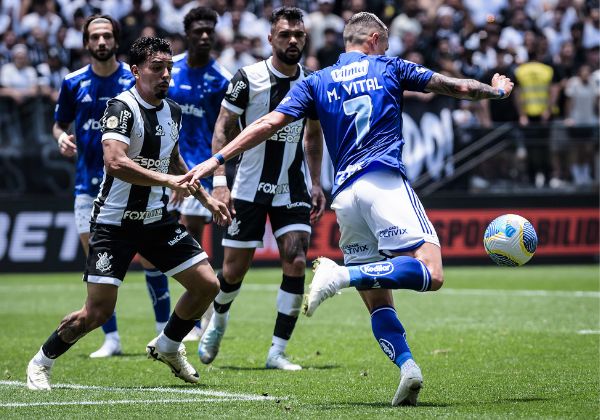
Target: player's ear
270,38
135,71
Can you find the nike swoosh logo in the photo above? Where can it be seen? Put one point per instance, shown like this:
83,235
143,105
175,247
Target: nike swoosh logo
166,362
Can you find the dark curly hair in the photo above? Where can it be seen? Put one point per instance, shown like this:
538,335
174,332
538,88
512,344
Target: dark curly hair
144,47
199,13
116,29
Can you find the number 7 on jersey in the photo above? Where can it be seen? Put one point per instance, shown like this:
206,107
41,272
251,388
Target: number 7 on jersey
362,107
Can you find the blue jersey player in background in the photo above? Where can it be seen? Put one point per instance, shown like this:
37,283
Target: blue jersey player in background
198,85
387,240
82,100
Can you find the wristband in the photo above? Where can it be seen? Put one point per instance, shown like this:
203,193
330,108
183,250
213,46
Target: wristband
219,181
219,158
502,93
62,138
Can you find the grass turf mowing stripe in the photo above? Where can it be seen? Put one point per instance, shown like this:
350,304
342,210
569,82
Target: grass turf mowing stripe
114,402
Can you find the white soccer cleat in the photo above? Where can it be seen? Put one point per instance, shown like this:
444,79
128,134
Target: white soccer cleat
411,382
108,349
177,361
326,282
38,377
208,348
281,361
194,335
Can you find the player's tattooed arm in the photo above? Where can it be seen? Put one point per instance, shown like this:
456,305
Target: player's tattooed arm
226,128
469,88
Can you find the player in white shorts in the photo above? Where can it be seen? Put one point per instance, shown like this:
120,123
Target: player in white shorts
380,215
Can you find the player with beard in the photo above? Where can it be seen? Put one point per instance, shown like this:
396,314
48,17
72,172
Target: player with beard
198,85
272,179
82,100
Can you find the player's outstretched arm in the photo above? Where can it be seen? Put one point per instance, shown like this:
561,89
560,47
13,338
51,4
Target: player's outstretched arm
313,148
253,135
470,89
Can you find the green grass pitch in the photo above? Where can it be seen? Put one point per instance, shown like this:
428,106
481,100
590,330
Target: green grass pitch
493,343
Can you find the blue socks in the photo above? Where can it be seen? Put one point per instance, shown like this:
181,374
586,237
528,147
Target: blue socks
158,288
390,334
110,325
396,273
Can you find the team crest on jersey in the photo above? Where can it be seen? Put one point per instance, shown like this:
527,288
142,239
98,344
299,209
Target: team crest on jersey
174,130
103,264
159,130
112,122
234,227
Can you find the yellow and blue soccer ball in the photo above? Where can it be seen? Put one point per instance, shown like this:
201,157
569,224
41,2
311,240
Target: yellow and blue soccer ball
510,240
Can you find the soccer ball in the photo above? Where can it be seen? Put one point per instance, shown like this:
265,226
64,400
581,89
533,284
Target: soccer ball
510,240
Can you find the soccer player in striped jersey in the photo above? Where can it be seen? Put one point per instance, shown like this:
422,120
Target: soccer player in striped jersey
141,154
387,239
82,100
198,85
273,179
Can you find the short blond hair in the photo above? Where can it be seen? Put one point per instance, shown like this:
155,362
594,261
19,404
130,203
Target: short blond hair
361,25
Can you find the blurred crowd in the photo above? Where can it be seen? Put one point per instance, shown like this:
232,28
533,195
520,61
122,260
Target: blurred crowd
550,48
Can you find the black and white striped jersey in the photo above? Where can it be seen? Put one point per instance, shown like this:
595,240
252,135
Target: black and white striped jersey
274,172
151,133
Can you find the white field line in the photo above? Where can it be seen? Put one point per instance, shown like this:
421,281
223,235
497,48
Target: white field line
55,403
588,332
469,292
213,395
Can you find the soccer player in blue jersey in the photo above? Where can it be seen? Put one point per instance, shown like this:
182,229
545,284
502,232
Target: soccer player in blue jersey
387,240
198,84
82,100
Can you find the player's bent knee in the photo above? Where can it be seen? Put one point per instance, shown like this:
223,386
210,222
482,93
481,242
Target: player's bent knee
437,280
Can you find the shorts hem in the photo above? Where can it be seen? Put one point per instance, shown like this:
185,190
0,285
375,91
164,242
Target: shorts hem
301,227
103,280
241,244
186,264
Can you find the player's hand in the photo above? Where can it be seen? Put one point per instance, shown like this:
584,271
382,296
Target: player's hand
67,146
219,210
318,204
224,195
202,170
500,81
177,198
179,184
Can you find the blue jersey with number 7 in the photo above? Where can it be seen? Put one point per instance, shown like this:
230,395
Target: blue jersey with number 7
359,103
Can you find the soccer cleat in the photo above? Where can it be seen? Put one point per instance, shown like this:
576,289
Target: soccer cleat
108,349
194,335
411,382
281,361
208,348
326,283
38,377
177,361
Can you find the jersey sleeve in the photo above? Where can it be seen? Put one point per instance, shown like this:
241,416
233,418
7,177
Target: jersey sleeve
117,121
412,76
299,102
66,105
238,93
